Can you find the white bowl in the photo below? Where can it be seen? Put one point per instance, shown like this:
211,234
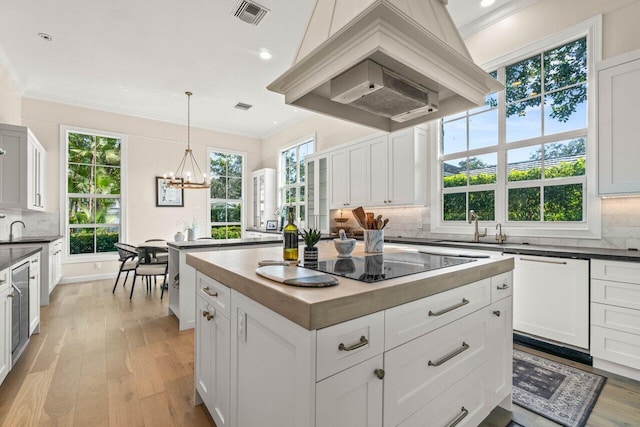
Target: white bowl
344,247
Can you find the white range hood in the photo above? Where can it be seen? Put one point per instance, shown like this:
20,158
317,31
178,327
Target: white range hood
388,64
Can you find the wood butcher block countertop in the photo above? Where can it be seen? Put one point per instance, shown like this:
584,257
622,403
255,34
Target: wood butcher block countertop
315,308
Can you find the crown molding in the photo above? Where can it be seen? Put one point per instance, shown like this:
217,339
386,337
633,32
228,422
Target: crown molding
494,16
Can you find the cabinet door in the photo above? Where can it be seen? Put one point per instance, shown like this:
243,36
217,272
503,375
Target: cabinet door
358,174
339,175
351,398
35,174
203,353
500,378
5,332
618,129
272,368
219,355
13,185
34,295
402,168
551,298
378,182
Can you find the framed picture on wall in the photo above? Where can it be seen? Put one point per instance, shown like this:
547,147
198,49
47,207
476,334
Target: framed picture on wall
272,224
167,196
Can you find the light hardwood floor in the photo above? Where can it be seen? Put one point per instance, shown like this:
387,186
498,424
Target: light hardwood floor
102,360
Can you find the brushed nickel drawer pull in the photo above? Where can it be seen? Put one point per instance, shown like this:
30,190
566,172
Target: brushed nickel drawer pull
450,356
446,310
363,341
379,373
208,292
208,315
464,413
502,287
497,313
544,261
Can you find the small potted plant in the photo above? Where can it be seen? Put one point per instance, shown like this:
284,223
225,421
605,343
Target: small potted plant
311,237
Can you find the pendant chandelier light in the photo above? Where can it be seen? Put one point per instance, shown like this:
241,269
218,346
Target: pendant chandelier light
188,173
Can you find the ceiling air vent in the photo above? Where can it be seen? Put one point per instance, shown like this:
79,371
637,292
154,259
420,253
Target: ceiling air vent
250,12
242,106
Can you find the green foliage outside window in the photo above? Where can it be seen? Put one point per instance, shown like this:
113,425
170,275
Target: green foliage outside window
226,232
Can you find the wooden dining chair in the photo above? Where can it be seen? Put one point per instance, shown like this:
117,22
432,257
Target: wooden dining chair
154,268
128,261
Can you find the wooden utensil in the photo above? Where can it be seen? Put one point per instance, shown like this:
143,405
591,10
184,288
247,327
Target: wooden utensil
384,223
378,223
370,220
359,215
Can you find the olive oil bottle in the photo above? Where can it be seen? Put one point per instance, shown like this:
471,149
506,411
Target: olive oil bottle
290,235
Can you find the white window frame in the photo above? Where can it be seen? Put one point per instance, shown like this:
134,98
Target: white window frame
590,228
64,195
299,184
243,198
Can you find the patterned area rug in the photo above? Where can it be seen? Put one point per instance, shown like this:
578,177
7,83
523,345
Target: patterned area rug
561,393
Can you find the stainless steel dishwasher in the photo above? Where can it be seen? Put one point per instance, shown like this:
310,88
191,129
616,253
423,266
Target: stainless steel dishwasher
20,313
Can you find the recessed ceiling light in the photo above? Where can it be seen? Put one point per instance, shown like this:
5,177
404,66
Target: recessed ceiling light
45,36
275,122
487,3
265,54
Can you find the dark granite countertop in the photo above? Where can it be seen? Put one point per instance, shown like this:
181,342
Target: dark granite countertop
9,257
210,243
30,240
526,249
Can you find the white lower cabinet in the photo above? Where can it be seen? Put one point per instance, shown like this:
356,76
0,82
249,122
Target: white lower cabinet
551,299
615,317
213,364
352,397
283,375
5,324
34,294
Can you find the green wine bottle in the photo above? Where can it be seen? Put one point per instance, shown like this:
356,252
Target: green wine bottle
290,235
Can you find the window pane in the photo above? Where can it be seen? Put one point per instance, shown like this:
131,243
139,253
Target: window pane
524,164
290,175
81,148
219,212
218,164
235,165
106,238
301,212
565,65
483,203
302,194
107,211
455,207
454,136
483,129
79,179
107,151
524,120
219,232
290,195
565,110
107,180
234,212
482,169
524,204
235,188
523,79
454,173
219,188
563,202
81,241
566,158
81,211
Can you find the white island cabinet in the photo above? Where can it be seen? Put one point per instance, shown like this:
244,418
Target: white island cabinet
278,373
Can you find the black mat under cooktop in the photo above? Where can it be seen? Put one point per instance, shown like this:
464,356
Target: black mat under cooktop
375,268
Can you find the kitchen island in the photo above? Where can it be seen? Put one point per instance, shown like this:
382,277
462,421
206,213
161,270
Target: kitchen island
270,354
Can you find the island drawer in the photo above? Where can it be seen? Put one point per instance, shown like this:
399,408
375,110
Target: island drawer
214,293
349,343
617,271
408,321
615,293
422,369
4,279
501,286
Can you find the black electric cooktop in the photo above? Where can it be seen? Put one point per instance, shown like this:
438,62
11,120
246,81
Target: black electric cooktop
375,268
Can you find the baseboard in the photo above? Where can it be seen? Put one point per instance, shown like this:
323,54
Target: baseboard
76,279
556,350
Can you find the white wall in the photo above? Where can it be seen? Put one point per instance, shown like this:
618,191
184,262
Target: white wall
10,98
154,148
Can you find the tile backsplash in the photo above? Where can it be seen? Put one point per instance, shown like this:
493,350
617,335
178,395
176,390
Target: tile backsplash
620,226
37,223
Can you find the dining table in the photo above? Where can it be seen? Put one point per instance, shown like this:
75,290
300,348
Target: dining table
151,251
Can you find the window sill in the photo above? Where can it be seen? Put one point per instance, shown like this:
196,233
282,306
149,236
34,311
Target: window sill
86,258
559,232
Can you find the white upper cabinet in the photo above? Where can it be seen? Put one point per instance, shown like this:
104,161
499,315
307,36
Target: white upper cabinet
385,170
21,169
263,186
618,125
317,192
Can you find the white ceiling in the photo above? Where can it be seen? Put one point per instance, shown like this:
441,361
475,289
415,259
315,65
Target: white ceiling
138,57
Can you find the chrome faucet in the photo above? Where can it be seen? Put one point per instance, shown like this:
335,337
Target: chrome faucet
473,216
11,229
499,236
